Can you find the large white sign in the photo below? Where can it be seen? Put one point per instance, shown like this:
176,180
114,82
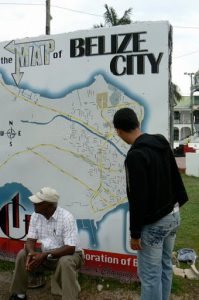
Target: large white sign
58,95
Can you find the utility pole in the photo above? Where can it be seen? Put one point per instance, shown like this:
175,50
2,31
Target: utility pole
48,17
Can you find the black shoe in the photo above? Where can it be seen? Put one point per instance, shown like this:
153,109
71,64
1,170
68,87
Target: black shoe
15,297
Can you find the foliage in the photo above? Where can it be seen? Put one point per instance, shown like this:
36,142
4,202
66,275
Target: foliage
175,94
111,17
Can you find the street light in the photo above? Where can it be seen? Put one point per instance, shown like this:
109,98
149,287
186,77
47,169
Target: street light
191,75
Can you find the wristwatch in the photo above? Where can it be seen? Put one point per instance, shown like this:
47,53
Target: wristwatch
52,257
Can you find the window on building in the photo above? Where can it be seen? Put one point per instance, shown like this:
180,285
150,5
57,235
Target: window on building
185,132
196,116
176,134
176,115
185,117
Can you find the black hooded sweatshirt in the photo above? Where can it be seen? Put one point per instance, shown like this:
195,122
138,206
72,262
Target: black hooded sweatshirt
154,184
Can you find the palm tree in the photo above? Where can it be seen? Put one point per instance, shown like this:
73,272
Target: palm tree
175,93
111,17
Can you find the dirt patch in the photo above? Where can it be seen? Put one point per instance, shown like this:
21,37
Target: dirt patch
90,292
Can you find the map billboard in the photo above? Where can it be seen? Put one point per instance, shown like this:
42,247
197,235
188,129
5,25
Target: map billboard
58,95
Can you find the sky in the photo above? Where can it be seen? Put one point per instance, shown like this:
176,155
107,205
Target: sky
28,20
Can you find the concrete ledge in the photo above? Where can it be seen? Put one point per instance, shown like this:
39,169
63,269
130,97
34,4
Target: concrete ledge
181,162
192,164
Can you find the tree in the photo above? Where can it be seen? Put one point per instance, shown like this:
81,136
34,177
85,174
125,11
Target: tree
175,94
111,17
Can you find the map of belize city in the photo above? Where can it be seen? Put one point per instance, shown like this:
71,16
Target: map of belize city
68,143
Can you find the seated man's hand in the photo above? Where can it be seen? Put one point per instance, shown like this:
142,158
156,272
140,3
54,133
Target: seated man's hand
34,260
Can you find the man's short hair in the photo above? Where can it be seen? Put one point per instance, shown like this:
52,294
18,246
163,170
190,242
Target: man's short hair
125,119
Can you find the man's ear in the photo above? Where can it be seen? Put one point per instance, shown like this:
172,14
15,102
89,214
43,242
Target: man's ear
118,131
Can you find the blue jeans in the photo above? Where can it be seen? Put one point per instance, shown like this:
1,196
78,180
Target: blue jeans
155,259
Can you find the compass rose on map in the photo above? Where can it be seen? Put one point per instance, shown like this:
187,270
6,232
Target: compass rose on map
11,133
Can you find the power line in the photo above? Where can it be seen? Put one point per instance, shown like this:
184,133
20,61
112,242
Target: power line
187,54
14,3
56,6
186,27
78,11
81,12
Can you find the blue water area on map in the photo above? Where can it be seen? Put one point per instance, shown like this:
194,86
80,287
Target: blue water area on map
90,227
10,190
109,79
93,228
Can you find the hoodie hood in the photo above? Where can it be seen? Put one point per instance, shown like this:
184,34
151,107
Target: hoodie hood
156,141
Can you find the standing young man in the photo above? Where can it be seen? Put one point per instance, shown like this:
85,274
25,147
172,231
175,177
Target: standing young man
155,191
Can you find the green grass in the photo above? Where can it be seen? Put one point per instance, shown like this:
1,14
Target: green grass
187,237
6,265
183,286
188,234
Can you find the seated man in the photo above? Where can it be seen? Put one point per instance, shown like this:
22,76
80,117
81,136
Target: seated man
55,228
